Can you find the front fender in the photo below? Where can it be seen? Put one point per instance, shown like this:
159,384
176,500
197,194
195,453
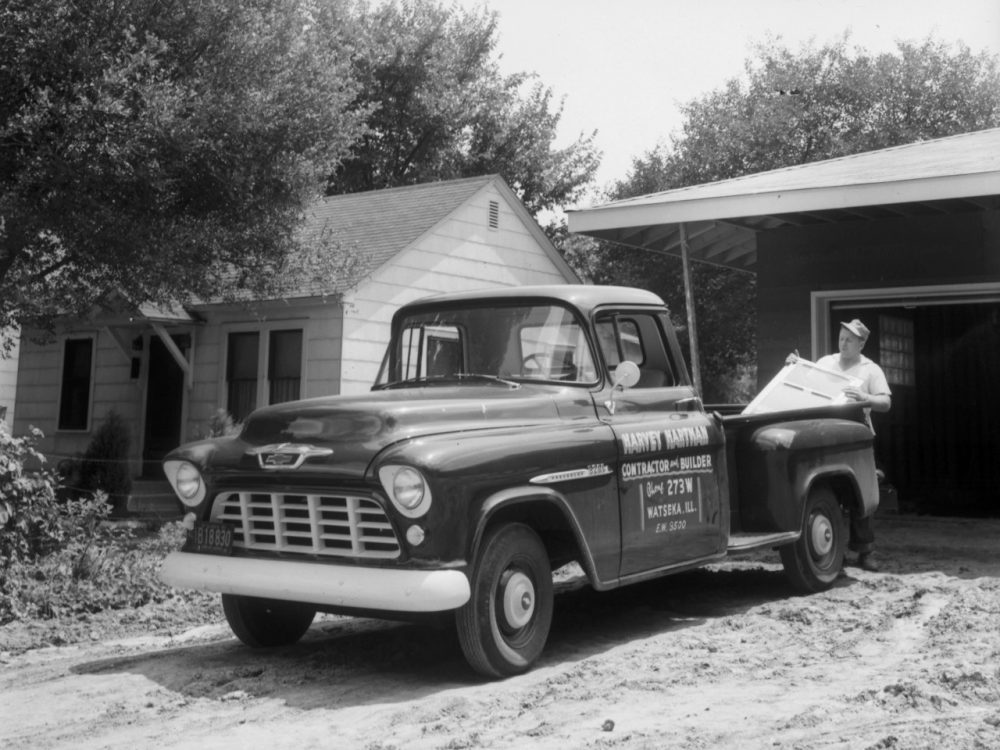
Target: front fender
534,506
474,476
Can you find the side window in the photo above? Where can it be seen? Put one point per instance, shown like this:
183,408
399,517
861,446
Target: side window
631,342
607,339
444,352
74,394
431,351
636,337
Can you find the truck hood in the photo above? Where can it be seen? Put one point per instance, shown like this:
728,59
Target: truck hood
356,428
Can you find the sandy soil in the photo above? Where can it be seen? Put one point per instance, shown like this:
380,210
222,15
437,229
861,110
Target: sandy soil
723,657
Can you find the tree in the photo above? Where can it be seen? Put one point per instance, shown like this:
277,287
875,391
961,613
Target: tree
792,107
440,109
829,101
162,150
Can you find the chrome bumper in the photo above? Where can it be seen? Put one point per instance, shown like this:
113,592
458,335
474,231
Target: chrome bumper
334,585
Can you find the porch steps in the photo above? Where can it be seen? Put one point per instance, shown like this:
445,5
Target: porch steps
154,499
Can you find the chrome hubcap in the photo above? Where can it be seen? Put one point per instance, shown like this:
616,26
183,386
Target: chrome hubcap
822,535
518,600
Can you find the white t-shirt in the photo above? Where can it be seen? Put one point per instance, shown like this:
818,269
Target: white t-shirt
872,378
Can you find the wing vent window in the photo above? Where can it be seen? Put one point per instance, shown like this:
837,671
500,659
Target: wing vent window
494,219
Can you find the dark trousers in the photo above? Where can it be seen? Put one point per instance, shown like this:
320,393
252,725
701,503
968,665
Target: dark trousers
862,538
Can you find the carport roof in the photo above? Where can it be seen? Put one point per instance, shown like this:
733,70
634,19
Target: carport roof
947,175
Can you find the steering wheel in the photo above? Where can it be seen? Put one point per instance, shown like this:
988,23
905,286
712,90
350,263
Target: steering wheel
534,364
540,365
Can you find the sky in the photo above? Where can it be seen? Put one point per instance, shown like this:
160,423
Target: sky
624,66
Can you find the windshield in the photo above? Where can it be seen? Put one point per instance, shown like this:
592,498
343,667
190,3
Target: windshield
541,342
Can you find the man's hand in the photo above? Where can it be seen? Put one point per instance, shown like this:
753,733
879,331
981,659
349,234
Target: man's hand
792,358
855,394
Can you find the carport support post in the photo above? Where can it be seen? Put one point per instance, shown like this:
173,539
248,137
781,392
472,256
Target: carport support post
691,318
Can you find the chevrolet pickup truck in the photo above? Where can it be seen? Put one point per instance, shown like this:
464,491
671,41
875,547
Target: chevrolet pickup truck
509,432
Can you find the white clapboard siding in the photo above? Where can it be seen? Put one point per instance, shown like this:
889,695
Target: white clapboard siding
461,253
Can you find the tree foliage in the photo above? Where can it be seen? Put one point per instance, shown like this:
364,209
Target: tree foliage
441,109
28,524
796,107
166,150
791,107
161,149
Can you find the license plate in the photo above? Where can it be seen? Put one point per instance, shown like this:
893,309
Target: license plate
210,539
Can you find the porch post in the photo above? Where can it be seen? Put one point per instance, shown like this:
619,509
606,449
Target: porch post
691,318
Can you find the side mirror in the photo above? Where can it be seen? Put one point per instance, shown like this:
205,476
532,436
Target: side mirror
626,375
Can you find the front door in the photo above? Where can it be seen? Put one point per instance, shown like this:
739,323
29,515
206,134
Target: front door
671,471
164,404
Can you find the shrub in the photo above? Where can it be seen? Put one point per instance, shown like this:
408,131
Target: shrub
29,511
60,559
100,567
104,466
222,425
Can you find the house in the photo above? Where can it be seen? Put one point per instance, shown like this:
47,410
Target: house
906,239
8,385
168,371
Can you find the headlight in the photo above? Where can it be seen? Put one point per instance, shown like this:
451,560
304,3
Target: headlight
407,489
186,480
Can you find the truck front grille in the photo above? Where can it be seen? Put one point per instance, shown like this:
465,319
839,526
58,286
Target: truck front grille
335,525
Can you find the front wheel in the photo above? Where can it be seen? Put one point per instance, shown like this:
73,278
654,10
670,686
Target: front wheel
813,562
261,623
504,625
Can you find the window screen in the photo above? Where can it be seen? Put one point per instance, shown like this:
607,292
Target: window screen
241,373
284,369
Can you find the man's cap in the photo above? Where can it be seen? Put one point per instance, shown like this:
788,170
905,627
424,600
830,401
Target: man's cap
858,328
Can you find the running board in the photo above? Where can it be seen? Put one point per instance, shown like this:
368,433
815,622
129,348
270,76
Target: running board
747,542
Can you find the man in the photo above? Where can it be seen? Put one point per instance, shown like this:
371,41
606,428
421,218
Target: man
874,391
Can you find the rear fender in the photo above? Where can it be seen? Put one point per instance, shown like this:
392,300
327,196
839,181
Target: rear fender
855,489
781,462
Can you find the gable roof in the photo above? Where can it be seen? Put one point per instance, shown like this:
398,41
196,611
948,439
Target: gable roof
946,175
382,223
379,224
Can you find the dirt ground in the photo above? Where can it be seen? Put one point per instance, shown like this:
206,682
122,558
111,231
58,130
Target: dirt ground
724,657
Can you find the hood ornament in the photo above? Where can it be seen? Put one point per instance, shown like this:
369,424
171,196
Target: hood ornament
286,455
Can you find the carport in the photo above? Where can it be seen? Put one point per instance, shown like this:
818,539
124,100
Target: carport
906,238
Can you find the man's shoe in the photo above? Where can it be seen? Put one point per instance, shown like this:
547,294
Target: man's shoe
867,562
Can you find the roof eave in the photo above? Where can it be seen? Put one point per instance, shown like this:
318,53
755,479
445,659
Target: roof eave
687,208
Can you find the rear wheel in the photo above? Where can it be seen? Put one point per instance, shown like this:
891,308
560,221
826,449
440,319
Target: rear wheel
814,561
261,623
504,625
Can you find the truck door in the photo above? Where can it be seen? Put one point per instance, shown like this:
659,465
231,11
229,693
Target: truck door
671,462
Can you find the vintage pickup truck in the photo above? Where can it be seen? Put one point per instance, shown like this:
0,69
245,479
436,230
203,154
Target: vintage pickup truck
509,432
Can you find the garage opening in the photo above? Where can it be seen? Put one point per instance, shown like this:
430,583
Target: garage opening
939,445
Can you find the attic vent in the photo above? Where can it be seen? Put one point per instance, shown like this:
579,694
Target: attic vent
494,215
